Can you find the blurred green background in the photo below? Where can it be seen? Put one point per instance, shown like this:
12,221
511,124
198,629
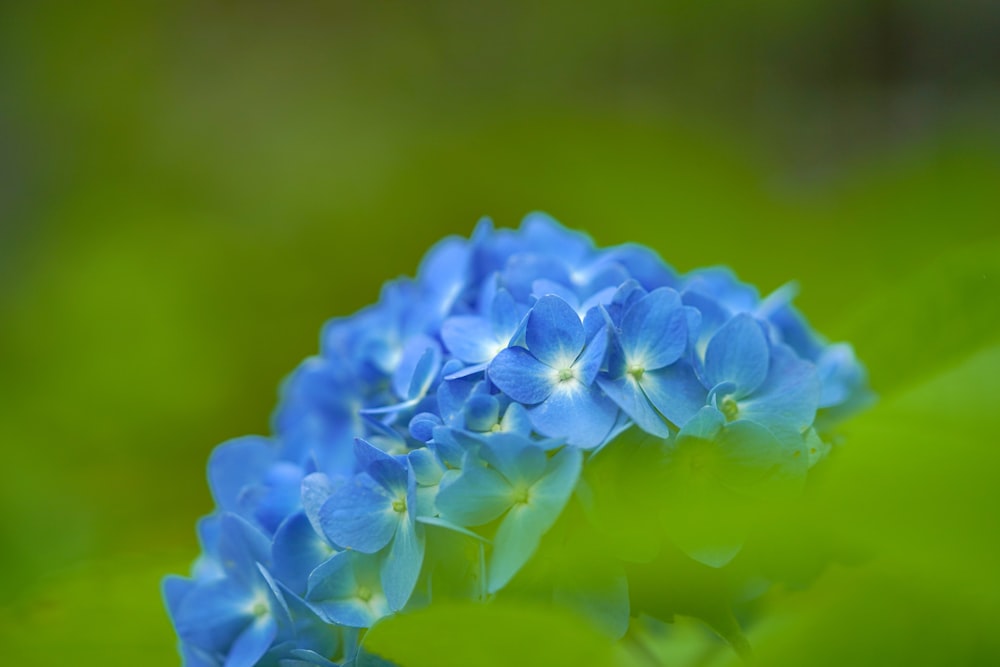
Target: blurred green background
189,189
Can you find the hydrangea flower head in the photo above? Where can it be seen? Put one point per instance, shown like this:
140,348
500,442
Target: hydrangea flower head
439,435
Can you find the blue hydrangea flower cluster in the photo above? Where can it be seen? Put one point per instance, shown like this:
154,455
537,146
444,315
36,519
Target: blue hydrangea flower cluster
439,434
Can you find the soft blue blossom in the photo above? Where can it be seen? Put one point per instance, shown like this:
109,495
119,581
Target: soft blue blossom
554,374
439,436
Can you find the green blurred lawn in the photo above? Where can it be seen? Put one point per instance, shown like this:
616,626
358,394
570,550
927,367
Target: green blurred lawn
188,191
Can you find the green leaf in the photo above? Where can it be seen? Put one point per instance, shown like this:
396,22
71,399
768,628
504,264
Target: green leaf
497,634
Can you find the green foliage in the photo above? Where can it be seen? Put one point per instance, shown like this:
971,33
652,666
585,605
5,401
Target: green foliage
187,191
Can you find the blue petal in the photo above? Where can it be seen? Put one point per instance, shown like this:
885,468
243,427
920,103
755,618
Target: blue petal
451,398
333,579
675,391
518,459
627,393
482,412
382,467
316,488
654,330
738,352
252,643
592,358
297,550
410,356
477,496
334,588
359,515
543,233
580,414
522,269
236,464
424,373
421,426
705,425
790,395
643,264
426,467
516,420
544,287
442,274
505,317
524,525
174,590
241,546
522,377
470,338
401,565
550,494
555,333
213,614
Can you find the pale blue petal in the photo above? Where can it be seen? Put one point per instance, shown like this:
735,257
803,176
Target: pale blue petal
424,373
555,333
524,525
333,579
382,467
477,496
297,550
544,287
516,420
654,330
505,316
516,458
316,488
482,412
514,544
705,425
241,546
174,589
522,377
550,494
470,338
627,393
236,464
359,515
213,614
738,352
413,351
426,467
675,391
451,398
252,643
592,358
790,395
580,414
401,565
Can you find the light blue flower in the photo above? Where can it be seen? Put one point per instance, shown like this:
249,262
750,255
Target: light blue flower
511,477
438,435
554,375
375,510
653,336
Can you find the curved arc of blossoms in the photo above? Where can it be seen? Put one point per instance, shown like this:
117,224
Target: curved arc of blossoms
438,435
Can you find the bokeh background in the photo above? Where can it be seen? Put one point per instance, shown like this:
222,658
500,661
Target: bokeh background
189,189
